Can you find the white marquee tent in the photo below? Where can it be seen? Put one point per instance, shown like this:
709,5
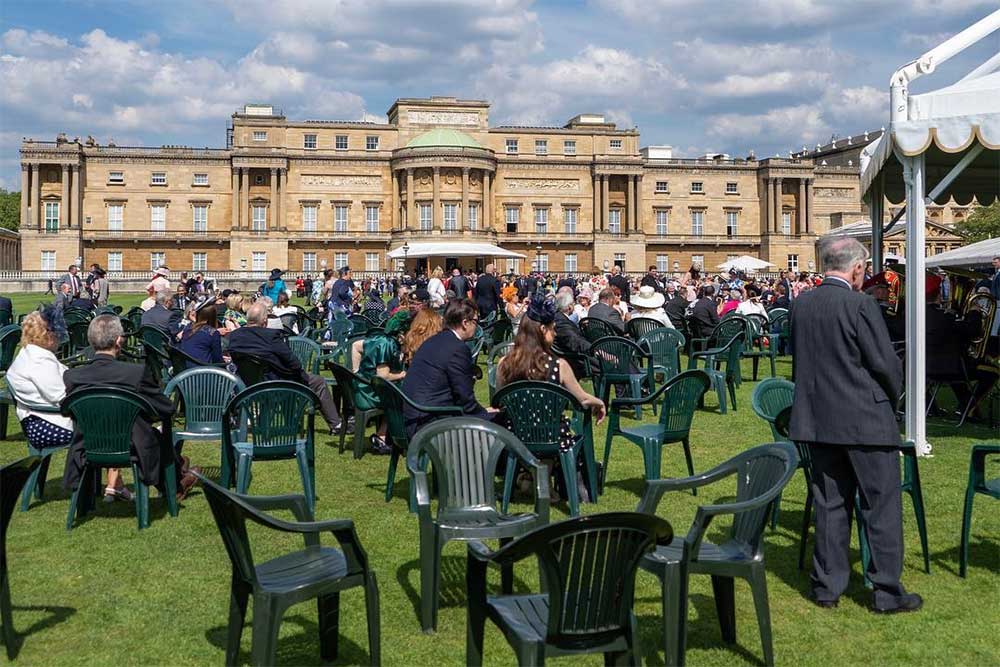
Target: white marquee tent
745,263
939,145
452,249
975,254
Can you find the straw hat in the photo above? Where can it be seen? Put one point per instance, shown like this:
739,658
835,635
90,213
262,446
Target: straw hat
585,293
647,298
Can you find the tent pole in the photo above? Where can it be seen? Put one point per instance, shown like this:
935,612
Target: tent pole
916,313
876,204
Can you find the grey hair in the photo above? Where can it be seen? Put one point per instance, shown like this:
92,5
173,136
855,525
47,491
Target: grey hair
163,296
103,332
840,254
564,300
257,313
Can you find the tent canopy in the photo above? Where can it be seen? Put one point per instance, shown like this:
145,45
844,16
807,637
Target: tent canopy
451,249
975,254
745,263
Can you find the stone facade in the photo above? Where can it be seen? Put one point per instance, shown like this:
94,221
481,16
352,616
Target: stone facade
309,195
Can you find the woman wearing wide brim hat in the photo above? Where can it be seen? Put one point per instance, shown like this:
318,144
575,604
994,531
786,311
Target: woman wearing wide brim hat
648,303
274,286
583,302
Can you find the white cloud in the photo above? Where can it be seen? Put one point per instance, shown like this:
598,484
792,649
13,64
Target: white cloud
793,125
783,81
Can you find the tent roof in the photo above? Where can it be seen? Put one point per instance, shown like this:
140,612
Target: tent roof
445,138
974,254
451,249
745,263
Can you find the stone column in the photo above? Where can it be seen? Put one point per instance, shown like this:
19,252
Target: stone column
25,193
770,206
435,213
465,200
596,221
64,207
637,203
487,202
604,201
778,205
629,205
245,198
809,205
36,196
410,214
77,212
235,199
273,205
283,197
800,205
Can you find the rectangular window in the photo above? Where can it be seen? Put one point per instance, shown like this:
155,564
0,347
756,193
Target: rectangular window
156,260
451,217
697,187
49,260
513,216
426,220
616,144
371,261
513,265
371,143
341,142
663,186
541,220
340,218
259,220
569,219
698,260
793,263
114,261
473,216
569,147
199,261
511,146
339,260
116,213
51,217
200,213
158,178
309,142
619,260
662,263
259,135
541,147
540,263
309,261
786,223
309,215
158,218
200,179
732,188
732,223
371,219
697,223
259,261
615,221
662,219
116,177
569,262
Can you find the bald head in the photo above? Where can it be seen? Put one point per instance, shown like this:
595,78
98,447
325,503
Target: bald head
257,313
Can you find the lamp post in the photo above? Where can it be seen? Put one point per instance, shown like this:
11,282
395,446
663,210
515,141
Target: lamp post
406,251
538,258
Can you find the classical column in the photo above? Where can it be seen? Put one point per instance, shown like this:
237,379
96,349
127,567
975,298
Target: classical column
637,202
435,213
36,196
629,204
465,199
25,193
487,202
596,184
283,197
809,205
778,209
245,198
770,205
235,202
274,199
410,213
604,201
64,207
76,212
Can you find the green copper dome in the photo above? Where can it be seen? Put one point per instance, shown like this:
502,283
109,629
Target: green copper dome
443,138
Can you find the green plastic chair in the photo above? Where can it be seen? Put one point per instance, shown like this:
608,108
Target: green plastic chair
637,327
10,338
977,484
707,349
157,360
308,352
204,392
781,322
680,397
761,473
664,346
499,332
314,572
393,402
13,477
275,420
727,356
181,361
347,387
134,315
464,453
36,483
6,317
251,368
534,411
77,336
589,565
104,415
594,329
359,325
769,398
753,347
72,315
620,361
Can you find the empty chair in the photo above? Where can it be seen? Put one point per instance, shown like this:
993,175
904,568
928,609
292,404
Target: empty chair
769,398
12,478
620,362
664,346
594,329
10,338
728,376
978,484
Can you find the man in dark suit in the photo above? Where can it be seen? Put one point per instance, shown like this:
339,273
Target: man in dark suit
603,310
6,310
269,346
652,279
459,284
676,306
161,317
995,280
847,382
150,447
569,338
441,372
619,280
487,292
704,315
567,281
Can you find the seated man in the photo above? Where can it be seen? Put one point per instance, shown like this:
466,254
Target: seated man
149,445
161,317
604,310
704,315
269,346
441,372
569,338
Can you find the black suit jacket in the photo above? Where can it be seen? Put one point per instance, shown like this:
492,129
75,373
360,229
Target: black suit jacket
676,309
569,338
847,376
459,285
652,281
6,305
621,282
568,281
602,311
440,374
704,317
165,320
947,339
487,294
269,346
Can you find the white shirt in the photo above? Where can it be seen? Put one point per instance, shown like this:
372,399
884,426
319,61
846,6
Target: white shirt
37,377
277,312
749,307
436,290
656,315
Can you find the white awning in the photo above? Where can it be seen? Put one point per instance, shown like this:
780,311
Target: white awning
451,249
745,263
974,254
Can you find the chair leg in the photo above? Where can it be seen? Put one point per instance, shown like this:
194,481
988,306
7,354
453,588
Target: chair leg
226,465
475,631
4,412
170,482
724,589
343,431
74,501
141,499
374,617
307,486
508,483
612,429
675,608
266,624
430,565
530,654
7,616
732,390
775,510
686,443
30,486
43,473
720,391
239,594
390,480
567,460
804,535
506,571
243,473
963,550
329,625
756,363
652,458
758,586
917,496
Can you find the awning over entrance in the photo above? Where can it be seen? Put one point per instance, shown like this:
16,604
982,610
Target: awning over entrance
451,249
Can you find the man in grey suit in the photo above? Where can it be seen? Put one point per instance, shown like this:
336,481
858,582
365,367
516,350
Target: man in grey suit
847,382
604,310
72,278
161,317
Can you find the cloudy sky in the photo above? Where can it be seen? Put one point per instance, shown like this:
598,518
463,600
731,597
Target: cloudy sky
723,76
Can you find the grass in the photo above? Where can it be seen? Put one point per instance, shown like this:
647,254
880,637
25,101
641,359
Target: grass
105,593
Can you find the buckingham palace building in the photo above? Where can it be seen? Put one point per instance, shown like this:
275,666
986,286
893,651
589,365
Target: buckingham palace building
306,195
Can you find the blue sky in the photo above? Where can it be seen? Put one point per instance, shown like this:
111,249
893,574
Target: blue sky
721,76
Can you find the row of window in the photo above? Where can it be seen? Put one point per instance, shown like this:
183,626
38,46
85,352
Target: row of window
157,218
697,187
156,178
310,214
341,142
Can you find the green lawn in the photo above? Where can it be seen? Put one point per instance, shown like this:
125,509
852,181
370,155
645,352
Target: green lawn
108,594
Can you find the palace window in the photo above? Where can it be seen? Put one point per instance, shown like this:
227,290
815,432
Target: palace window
662,186
570,215
569,147
309,261
200,179
51,217
732,223
619,260
258,261
199,261
116,177
511,146
697,187
371,261
340,218
616,144
158,178
473,216
116,213
371,219
309,214
541,147
114,261
793,263
662,263
697,223
786,223
426,220
200,213
662,218
371,143
541,220
259,219
158,218
615,221
513,215
698,260
540,263
341,142
49,260
339,260
309,142
569,262
732,188
259,135
450,217
513,265
156,260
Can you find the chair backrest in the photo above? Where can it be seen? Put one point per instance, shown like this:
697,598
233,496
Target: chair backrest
594,329
680,399
500,332
497,352
637,327
104,415
762,471
153,336
392,401
734,348
725,330
13,477
534,410
359,324
274,415
181,360
134,315
347,383
464,453
10,338
78,335
777,312
617,355
771,396
290,321
759,321
6,317
664,345
307,352
205,392
74,314
251,369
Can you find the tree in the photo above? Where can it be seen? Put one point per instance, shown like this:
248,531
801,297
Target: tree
983,223
10,209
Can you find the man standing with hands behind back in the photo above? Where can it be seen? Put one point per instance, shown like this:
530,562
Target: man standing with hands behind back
846,391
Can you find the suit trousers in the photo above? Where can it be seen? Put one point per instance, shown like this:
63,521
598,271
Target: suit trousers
151,450
838,472
327,406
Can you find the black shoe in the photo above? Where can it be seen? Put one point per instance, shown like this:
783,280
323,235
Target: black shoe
904,603
379,446
826,604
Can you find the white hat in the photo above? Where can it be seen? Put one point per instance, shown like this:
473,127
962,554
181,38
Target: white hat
162,271
647,298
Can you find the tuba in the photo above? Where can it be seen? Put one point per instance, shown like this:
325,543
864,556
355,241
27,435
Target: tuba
986,304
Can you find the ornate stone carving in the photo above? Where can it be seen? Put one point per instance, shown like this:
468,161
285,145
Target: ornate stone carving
443,117
834,193
559,185
341,181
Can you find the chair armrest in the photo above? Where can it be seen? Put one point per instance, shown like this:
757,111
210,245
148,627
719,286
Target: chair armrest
640,400
293,502
656,488
446,410
542,495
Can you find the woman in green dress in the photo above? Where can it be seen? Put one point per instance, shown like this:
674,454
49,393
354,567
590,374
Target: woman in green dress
381,356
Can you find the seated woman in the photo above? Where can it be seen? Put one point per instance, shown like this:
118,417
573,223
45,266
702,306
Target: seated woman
426,323
283,308
37,377
202,340
235,316
381,356
648,304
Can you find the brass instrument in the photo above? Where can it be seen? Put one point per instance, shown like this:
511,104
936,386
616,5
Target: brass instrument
986,304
